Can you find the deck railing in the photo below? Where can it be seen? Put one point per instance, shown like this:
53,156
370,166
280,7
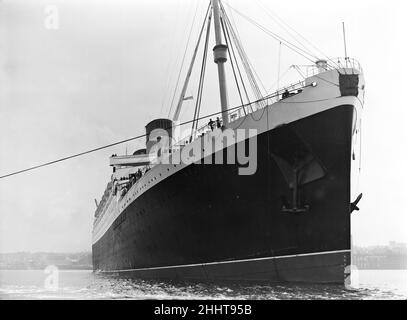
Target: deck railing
332,64
244,110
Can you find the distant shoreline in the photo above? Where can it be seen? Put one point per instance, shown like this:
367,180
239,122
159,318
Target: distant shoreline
63,268
42,260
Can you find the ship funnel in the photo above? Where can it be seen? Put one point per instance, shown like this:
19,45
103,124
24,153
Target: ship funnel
157,129
322,65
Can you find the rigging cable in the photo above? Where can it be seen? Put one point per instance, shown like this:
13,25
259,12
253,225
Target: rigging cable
204,69
231,60
201,79
170,63
240,41
280,22
227,37
127,140
237,64
183,60
276,18
296,68
287,43
246,64
279,66
244,59
274,85
190,69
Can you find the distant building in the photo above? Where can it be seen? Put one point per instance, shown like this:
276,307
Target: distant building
40,260
390,257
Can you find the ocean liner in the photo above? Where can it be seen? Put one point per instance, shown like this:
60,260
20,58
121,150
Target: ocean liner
285,217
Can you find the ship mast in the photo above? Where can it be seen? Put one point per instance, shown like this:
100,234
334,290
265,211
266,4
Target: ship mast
220,57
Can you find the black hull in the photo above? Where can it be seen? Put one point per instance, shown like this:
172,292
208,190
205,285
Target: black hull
206,214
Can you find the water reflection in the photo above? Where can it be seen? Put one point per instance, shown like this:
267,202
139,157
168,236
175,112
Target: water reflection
88,285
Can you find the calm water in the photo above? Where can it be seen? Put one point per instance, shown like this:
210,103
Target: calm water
27,284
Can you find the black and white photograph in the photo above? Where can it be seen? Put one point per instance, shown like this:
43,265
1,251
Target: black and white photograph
203,150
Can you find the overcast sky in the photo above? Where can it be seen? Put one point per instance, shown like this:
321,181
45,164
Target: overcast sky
111,66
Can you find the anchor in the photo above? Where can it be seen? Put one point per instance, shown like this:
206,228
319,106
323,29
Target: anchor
298,164
295,202
354,205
